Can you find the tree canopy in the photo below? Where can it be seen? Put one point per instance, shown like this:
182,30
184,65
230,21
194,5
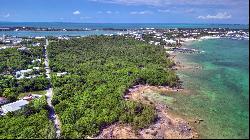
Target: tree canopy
31,122
100,71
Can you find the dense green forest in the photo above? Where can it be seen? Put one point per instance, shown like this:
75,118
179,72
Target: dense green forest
11,87
100,71
13,60
31,122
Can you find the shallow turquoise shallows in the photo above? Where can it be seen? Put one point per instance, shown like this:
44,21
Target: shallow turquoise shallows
219,92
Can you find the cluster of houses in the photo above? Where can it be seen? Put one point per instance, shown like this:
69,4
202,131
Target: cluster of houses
14,41
177,36
14,106
26,73
10,40
63,37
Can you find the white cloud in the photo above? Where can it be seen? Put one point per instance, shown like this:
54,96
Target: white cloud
77,12
141,12
7,15
163,11
224,15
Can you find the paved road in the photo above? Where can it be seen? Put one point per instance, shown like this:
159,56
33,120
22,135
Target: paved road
52,115
47,60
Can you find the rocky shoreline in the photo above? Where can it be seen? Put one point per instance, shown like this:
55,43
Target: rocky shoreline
167,126
173,56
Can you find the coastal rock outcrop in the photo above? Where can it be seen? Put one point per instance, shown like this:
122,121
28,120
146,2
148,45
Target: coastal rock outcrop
166,126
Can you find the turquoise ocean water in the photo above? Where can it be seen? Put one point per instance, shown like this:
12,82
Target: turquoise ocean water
219,92
60,25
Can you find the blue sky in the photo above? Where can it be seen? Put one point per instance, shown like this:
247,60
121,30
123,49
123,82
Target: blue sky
126,11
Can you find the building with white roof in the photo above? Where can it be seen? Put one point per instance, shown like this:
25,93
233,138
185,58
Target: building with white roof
39,37
20,74
62,73
14,106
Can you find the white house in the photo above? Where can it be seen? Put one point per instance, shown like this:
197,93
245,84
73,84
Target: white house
157,43
169,41
36,44
62,73
151,42
14,106
39,37
20,74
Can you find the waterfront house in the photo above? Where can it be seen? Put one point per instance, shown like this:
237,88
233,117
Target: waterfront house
39,37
